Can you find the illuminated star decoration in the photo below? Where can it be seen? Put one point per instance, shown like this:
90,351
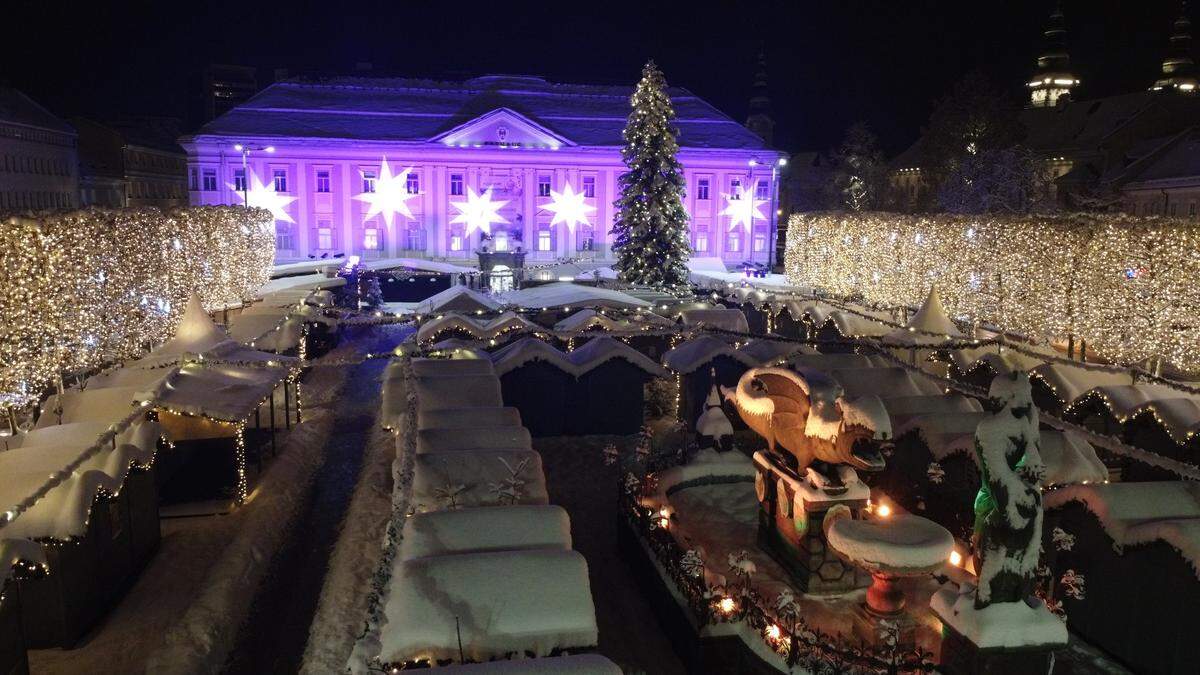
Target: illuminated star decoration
390,196
743,211
264,196
478,211
568,207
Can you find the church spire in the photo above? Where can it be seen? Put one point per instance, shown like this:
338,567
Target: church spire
1179,69
759,119
1053,78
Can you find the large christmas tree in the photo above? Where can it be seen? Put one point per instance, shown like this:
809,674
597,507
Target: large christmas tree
651,228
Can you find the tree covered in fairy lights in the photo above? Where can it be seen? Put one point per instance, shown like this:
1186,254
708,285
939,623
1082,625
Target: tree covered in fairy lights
651,228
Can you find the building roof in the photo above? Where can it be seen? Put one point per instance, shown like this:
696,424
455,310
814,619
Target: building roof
407,110
1171,159
17,108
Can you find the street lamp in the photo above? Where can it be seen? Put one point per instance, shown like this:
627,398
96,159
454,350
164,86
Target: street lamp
246,150
776,167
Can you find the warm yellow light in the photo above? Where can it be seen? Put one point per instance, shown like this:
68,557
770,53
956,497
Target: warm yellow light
727,605
956,558
883,510
774,633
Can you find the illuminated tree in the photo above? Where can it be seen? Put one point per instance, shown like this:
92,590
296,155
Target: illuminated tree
858,178
651,228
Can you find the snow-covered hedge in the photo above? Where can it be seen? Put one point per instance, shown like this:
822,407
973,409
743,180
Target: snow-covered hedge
78,288
1124,283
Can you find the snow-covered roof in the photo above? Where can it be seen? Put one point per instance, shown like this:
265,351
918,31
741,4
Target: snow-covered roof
837,361
1140,513
420,111
853,325
492,604
105,405
1000,360
474,437
1178,411
944,433
575,664
899,407
764,350
220,392
753,296
930,318
1070,382
457,298
1069,458
450,367
487,528
458,479
270,331
457,391
595,352
416,264
567,294
129,377
196,335
589,318
883,382
478,327
690,355
725,319
301,282
466,418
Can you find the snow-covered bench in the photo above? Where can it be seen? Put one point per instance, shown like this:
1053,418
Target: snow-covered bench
487,528
464,478
473,438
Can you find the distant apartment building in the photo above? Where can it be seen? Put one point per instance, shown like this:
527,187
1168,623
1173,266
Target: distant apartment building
38,160
134,161
227,86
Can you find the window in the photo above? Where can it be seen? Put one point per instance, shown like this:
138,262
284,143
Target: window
760,242
734,242
763,190
735,189
585,238
456,241
413,239
323,181
412,183
324,238
500,241
589,186
283,237
701,242
1192,209
280,180
194,179
371,239
210,180
543,240
456,184
543,186
369,178
239,180
702,189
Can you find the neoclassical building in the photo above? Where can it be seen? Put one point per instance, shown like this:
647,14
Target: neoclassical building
411,168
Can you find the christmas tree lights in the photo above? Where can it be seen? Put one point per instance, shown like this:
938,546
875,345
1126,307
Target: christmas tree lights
82,288
1125,284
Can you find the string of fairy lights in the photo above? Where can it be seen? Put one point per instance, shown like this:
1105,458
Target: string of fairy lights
1123,283
83,288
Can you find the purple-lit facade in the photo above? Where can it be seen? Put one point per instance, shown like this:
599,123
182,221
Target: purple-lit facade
316,152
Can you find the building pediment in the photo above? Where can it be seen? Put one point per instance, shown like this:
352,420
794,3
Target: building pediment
501,128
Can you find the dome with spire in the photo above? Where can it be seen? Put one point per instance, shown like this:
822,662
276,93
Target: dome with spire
1179,68
1053,79
759,118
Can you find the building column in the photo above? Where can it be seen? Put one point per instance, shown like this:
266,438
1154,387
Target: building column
349,171
303,210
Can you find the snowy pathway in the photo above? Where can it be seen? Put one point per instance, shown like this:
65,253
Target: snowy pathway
274,637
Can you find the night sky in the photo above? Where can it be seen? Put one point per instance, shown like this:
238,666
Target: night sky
830,63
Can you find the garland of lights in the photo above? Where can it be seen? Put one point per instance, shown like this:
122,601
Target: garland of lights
82,288
1124,283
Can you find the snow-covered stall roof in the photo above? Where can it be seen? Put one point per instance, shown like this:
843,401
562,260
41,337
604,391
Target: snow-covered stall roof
899,407
451,367
473,438
218,392
457,298
930,318
1069,458
447,480
479,328
487,528
586,319
416,264
1140,513
853,325
575,664
467,418
753,296
13,551
829,362
457,391
765,351
884,382
304,282
129,377
1070,382
197,334
797,308
944,433
1179,411
1000,360
106,405
527,350
686,357
301,266
542,604
724,319
567,294
270,331
596,352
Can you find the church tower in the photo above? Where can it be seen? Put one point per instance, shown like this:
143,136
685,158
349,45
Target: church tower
1179,69
759,120
1053,79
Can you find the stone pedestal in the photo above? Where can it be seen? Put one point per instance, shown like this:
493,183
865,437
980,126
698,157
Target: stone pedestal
960,656
1013,638
789,528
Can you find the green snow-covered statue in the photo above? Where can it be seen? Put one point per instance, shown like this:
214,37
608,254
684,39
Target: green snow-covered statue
1008,508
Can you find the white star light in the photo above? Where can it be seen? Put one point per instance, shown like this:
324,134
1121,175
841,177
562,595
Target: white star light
568,207
264,196
478,211
390,196
743,211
